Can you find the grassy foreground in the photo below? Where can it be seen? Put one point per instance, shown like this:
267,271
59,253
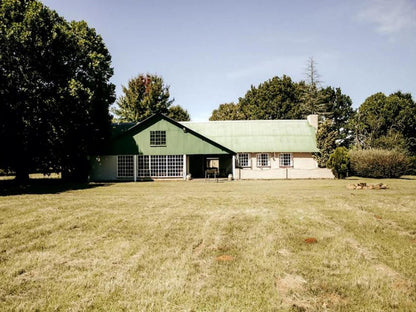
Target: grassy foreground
206,246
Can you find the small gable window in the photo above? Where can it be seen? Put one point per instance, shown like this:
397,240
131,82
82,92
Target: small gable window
158,138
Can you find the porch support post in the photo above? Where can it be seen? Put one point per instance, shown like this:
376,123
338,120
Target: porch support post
233,166
135,168
184,167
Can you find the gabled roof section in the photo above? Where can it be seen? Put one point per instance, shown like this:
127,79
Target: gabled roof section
122,131
259,135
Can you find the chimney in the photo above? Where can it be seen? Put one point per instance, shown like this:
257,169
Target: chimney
313,121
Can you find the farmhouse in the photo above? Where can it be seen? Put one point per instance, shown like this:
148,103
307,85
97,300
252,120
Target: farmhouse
160,147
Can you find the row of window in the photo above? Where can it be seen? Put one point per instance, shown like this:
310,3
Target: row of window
262,160
150,166
172,165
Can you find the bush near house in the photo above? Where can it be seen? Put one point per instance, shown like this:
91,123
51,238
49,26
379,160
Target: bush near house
339,162
378,163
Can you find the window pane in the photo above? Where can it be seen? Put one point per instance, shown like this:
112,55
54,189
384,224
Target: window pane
243,160
262,160
285,160
157,138
143,166
125,167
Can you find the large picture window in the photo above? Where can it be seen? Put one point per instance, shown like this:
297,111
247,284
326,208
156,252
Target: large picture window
244,160
263,160
285,160
160,166
157,138
125,166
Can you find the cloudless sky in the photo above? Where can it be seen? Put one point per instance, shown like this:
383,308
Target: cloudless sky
210,52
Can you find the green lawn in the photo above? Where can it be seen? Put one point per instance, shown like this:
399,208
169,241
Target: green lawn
206,246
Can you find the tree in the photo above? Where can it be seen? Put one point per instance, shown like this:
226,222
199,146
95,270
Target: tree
144,96
326,141
54,91
339,162
227,111
178,113
276,98
313,101
387,122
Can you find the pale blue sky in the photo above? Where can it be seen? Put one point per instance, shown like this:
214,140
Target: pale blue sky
211,52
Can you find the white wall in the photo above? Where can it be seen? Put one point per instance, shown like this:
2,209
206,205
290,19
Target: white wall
283,173
304,167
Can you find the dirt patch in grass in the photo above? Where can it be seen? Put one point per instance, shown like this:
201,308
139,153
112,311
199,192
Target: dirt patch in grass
291,289
310,240
225,258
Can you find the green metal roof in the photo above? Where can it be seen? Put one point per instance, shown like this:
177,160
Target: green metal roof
259,135
134,138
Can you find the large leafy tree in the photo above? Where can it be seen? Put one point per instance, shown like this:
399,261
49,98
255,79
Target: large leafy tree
387,122
276,98
54,91
334,128
228,111
144,96
177,113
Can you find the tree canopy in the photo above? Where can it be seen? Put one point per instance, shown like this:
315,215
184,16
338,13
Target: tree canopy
387,122
177,113
144,96
228,111
54,90
276,98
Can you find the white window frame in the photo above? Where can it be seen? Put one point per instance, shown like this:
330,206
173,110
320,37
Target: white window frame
285,160
260,160
240,162
157,138
160,166
125,165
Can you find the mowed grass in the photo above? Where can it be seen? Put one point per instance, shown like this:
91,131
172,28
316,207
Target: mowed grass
206,246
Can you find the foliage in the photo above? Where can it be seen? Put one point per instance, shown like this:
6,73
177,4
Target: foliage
378,163
334,129
387,122
312,98
178,113
326,140
339,162
227,111
276,98
54,90
144,96
412,165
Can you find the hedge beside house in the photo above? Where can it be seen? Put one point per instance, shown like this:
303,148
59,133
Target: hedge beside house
378,163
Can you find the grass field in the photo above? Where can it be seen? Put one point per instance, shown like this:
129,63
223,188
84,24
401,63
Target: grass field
205,246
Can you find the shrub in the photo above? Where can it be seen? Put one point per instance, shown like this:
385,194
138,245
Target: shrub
412,165
339,162
378,163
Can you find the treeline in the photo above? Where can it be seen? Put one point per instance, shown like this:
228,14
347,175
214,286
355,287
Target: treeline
55,98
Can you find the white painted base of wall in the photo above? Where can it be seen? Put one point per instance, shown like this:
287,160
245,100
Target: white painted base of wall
283,173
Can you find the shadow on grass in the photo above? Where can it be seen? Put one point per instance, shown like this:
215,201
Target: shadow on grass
44,186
